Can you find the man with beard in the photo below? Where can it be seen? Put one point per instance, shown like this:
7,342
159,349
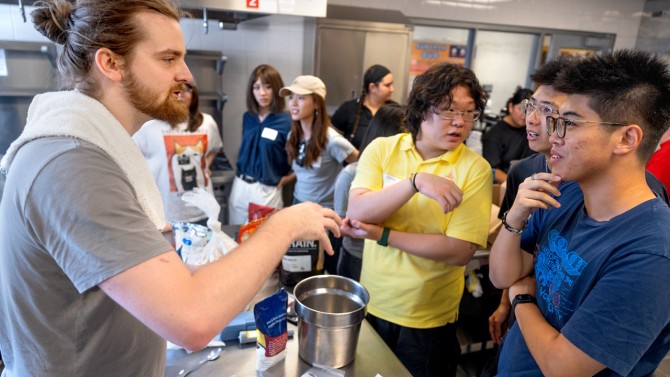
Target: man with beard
88,284
180,156
422,200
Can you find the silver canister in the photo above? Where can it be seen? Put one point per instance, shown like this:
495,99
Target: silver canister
330,309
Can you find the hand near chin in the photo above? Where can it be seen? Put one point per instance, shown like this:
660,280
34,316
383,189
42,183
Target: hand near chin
360,230
537,191
441,189
308,221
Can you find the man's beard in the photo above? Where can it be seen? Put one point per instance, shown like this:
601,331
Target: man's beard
142,98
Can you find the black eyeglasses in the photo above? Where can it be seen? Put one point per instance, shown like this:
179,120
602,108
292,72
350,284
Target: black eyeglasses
300,159
529,107
468,115
560,124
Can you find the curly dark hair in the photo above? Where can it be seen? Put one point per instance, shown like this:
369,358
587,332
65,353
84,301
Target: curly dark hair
432,87
626,86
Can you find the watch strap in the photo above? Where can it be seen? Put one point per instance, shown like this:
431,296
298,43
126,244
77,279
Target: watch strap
384,240
523,299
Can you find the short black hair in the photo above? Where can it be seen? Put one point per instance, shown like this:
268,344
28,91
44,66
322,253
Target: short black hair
432,87
625,86
388,121
547,73
519,95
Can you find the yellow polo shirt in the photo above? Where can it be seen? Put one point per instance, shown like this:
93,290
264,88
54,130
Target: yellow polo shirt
406,289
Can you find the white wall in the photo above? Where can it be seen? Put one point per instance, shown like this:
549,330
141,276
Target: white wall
275,40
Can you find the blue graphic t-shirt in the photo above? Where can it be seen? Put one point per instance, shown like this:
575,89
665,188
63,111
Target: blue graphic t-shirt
602,284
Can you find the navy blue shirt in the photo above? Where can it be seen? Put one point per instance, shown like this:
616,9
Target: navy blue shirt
602,284
262,153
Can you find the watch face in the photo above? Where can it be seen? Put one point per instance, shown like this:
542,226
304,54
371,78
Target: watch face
524,298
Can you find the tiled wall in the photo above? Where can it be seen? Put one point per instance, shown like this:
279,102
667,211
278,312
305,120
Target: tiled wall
278,40
275,40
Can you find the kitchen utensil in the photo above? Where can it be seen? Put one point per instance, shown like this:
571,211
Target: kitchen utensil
212,355
331,309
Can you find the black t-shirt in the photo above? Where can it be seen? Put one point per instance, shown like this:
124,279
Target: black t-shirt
503,144
344,119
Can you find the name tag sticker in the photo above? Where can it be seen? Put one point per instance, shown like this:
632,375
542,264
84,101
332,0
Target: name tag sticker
269,133
317,163
390,180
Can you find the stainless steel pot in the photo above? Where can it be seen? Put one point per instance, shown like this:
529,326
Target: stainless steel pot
330,309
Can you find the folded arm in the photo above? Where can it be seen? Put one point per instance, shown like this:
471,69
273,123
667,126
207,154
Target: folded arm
433,246
376,206
553,352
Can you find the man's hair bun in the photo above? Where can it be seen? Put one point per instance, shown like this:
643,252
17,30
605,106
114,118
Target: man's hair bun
51,19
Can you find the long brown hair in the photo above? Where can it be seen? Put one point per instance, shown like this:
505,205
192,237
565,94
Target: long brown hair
195,117
88,26
268,75
317,143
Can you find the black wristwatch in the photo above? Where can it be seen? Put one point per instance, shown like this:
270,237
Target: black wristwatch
523,299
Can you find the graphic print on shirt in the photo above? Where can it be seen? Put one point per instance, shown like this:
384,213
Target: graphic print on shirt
556,269
186,161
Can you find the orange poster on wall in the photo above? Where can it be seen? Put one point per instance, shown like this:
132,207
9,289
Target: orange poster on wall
426,53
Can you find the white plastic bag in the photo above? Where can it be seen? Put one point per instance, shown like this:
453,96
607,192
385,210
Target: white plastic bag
219,243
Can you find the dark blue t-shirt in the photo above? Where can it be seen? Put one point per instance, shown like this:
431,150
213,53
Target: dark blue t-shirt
601,284
262,153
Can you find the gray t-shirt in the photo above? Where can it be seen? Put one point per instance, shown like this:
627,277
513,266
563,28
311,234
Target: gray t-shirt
317,183
69,220
342,184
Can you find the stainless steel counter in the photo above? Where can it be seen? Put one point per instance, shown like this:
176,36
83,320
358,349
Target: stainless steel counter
372,356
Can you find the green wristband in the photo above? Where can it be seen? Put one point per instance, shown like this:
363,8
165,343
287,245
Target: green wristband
384,241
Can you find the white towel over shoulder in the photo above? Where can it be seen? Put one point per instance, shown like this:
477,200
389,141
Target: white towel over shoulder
74,114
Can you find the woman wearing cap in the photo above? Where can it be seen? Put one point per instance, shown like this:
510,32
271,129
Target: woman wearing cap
262,165
316,151
352,117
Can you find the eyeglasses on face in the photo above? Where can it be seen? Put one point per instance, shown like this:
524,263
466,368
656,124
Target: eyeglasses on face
450,114
560,124
529,107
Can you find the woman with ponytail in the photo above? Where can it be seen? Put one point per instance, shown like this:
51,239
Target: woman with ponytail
352,117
